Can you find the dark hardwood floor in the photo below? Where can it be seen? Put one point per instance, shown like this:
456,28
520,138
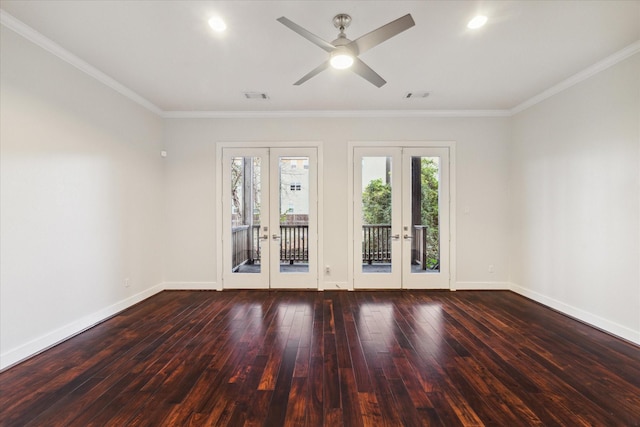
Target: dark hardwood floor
330,358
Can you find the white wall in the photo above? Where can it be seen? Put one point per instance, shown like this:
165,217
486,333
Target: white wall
574,172
482,145
549,197
81,183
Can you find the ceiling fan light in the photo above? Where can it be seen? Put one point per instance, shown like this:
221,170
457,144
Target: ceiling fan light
341,60
217,24
477,22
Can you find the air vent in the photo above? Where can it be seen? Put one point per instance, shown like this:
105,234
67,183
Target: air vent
416,95
256,95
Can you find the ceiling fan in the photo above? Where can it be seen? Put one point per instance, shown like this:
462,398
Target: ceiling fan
344,52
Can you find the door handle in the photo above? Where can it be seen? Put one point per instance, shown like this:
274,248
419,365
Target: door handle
275,237
264,237
407,237
395,236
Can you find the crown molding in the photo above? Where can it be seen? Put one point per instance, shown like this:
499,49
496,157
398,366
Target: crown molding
591,71
47,44
50,46
333,114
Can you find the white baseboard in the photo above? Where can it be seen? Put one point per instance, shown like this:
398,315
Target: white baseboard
335,286
482,286
191,286
582,315
38,345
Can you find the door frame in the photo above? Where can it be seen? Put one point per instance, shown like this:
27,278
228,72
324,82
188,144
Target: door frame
219,195
451,146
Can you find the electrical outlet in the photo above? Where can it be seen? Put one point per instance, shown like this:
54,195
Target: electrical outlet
491,268
327,269
127,282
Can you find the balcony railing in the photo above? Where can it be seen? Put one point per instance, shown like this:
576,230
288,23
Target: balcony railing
294,248
244,245
294,245
376,243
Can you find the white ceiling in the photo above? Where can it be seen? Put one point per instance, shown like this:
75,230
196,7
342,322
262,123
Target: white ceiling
165,52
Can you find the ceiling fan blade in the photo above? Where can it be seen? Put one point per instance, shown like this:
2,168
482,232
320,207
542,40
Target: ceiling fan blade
383,33
313,73
306,34
364,71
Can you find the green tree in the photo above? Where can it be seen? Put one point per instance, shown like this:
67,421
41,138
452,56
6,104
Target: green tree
376,203
429,207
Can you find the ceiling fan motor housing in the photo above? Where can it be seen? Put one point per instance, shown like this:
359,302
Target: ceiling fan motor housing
341,21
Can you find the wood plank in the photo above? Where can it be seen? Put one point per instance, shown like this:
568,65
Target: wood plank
249,358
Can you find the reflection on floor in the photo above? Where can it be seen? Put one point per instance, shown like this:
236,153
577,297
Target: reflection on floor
304,268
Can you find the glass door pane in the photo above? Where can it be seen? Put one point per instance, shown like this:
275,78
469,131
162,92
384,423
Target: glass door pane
425,228
376,214
245,214
245,208
294,214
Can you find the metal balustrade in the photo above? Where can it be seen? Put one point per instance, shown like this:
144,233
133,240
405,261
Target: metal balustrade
376,243
294,246
242,245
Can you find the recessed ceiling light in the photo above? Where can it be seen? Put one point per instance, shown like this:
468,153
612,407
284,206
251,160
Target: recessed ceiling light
477,22
217,24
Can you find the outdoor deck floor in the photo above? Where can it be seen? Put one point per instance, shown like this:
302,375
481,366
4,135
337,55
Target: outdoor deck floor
303,268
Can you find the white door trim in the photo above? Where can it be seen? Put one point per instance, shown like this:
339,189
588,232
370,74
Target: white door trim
451,145
218,196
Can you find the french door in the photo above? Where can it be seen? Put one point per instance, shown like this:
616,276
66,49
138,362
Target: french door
401,218
269,203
